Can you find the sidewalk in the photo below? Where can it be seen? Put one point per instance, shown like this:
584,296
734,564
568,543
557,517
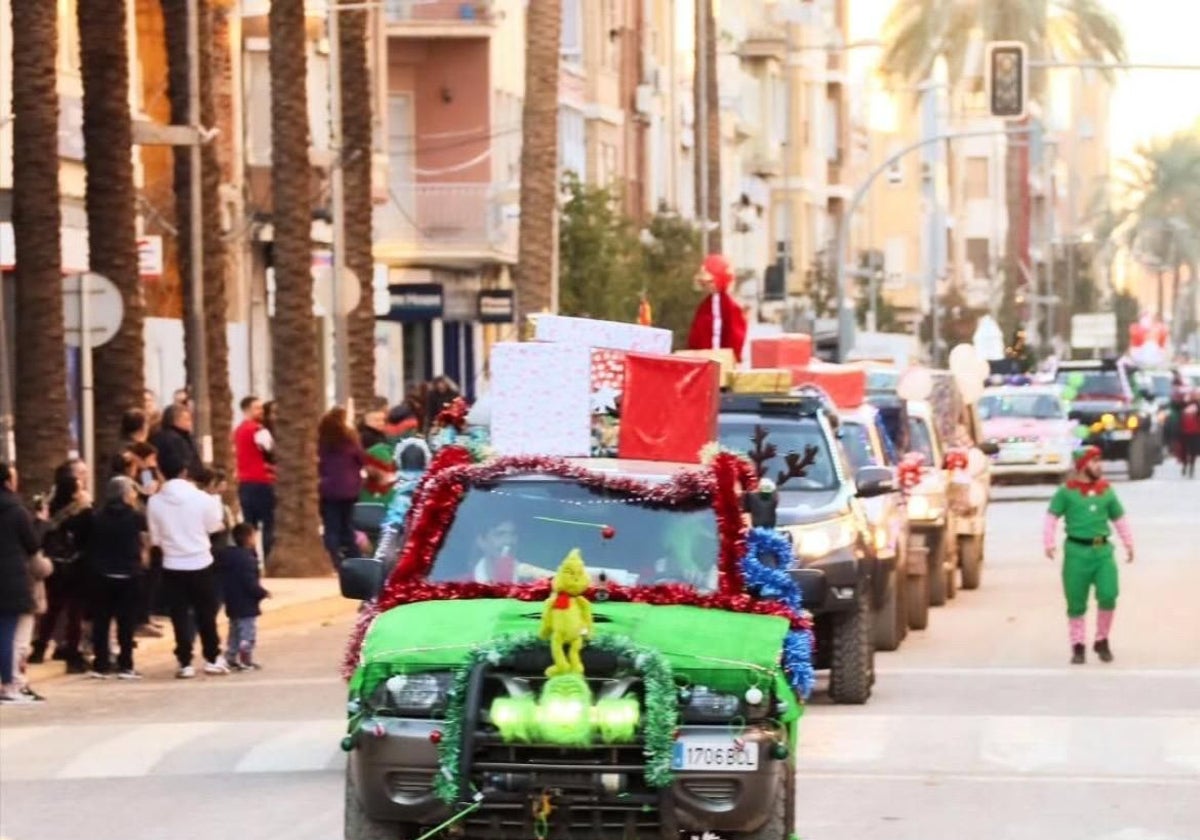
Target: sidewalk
294,602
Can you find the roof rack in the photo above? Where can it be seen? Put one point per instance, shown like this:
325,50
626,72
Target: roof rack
784,405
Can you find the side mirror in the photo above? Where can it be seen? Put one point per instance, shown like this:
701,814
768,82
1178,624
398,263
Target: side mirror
813,586
361,578
989,448
762,509
875,481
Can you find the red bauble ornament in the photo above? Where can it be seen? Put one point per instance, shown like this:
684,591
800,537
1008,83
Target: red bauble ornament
435,737
608,532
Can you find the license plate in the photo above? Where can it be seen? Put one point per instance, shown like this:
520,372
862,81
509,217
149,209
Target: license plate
719,754
1121,435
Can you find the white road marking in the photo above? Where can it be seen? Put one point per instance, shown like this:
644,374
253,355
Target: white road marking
844,739
134,751
1068,673
304,746
1002,778
1025,743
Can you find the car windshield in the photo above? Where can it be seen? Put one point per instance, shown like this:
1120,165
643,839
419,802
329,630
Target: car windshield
518,531
1161,383
856,440
1024,406
1106,383
921,439
788,437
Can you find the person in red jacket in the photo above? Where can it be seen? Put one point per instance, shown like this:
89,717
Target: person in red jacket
1189,435
254,448
719,322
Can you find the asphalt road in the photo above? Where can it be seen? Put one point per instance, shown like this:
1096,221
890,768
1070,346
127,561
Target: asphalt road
978,726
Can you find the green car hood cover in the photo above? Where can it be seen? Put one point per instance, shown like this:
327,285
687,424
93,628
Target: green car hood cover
726,651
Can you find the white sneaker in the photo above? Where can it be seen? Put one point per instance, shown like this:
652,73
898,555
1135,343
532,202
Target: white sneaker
187,672
97,675
129,675
216,668
16,698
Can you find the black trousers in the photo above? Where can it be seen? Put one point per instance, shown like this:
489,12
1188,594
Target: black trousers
114,599
192,598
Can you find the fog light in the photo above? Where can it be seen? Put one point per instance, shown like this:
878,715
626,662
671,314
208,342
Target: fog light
1132,422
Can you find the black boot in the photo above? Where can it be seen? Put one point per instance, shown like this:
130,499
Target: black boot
76,664
37,653
1077,655
1103,651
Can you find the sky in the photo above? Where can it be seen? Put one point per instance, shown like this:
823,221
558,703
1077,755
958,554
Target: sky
1146,103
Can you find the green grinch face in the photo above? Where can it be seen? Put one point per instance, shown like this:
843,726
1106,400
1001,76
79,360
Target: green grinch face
572,576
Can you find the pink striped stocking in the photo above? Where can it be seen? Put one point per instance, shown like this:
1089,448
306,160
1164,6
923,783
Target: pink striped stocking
1104,620
1078,630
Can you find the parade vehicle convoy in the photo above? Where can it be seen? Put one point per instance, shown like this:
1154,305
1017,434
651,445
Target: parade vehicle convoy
822,514
1108,399
694,681
1030,426
865,442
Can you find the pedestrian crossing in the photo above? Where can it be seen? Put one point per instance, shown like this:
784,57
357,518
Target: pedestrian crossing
834,742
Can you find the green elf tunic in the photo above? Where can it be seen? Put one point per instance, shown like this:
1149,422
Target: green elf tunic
1086,509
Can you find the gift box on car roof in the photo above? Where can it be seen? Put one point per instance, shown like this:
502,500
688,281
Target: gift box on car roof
669,407
845,385
541,399
611,335
779,351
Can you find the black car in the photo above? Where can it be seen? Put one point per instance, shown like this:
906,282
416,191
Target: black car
816,505
1109,400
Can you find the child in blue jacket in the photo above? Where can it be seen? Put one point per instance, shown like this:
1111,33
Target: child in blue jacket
243,593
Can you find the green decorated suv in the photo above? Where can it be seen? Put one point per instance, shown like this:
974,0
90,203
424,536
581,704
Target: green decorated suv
693,673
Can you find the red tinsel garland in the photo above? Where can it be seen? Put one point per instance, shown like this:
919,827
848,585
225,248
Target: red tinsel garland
909,470
452,473
956,459
453,415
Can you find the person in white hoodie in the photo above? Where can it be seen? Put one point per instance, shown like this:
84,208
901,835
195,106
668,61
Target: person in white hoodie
181,519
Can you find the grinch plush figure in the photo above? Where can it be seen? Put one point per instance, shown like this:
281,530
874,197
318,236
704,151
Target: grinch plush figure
567,616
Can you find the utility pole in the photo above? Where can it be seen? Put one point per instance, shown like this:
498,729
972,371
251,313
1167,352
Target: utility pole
929,208
701,83
337,313
1048,202
197,355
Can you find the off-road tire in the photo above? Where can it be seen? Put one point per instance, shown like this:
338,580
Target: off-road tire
888,622
936,543
970,560
776,827
358,826
1138,461
916,601
852,665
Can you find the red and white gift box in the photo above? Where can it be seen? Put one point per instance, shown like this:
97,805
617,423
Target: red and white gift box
541,399
612,335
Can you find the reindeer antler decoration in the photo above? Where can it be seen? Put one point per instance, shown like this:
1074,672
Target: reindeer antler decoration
762,452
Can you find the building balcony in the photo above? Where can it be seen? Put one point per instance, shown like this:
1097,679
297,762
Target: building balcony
440,18
763,43
456,225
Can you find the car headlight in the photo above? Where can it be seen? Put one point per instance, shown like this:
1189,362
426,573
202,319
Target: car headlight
413,694
706,704
817,540
921,506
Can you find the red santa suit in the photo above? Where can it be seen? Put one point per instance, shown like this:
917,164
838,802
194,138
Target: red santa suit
719,322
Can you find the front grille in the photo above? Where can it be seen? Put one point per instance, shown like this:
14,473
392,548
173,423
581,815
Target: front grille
409,788
720,792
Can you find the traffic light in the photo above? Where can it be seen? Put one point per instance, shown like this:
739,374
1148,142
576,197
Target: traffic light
1007,79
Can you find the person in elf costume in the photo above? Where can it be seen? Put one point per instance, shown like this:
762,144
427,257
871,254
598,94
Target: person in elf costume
1087,504
719,322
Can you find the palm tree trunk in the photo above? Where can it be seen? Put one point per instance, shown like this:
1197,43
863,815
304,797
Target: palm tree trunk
539,158
213,246
709,90
1016,197
112,213
297,550
42,432
356,166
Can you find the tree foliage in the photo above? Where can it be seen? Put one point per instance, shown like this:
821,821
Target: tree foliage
607,263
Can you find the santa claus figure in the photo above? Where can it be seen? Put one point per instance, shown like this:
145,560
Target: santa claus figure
719,322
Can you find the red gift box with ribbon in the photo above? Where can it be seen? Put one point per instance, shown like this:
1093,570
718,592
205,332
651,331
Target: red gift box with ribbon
780,351
669,407
845,385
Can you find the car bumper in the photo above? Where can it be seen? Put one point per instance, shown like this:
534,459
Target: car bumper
393,775
835,588
1114,445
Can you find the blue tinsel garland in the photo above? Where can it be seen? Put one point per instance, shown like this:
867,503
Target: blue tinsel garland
776,584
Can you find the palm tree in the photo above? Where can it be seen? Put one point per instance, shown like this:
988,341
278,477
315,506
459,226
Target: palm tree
216,312
42,431
1158,209
293,329
111,209
919,32
706,92
539,158
356,165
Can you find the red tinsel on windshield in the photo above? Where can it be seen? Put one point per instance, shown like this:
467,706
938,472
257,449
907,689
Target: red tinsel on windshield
956,459
452,473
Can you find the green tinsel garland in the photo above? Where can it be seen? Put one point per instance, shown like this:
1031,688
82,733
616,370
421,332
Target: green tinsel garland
660,717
